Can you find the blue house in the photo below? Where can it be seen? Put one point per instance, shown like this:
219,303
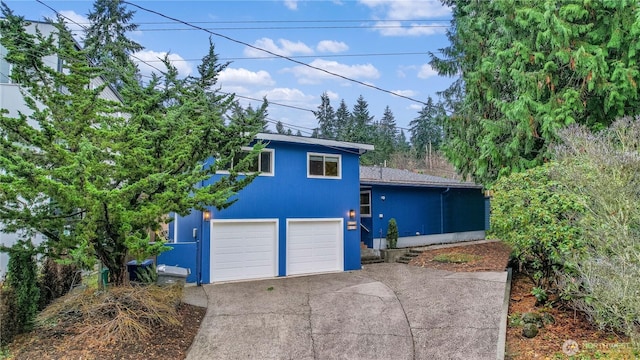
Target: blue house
299,216
310,209
428,209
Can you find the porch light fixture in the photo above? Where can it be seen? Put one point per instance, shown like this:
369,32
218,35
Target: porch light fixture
352,214
206,215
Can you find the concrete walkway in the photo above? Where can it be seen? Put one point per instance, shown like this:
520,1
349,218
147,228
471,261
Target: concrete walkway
385,311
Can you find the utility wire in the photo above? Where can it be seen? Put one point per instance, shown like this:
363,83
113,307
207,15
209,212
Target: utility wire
289,21
298,27
234,94
272,53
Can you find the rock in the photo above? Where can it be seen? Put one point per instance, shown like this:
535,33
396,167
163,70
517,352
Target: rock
548,319
532,318
530,330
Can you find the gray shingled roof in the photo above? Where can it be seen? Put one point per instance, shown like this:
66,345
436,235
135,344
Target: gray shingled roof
387,176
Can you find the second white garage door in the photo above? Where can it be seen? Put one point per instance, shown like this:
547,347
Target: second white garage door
244,249
314,246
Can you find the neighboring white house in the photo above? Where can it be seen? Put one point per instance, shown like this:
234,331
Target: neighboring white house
11,100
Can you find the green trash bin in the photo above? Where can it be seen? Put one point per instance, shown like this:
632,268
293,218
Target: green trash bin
104,275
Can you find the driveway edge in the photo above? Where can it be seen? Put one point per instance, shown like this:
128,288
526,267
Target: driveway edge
502,335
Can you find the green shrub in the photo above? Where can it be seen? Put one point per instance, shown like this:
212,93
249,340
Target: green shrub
21,287
604,169
537,218
392,234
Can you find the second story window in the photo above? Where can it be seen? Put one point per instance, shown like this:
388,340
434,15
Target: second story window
324,166
263,163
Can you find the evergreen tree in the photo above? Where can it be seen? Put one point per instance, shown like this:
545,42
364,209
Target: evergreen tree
426,129
326,117
362,122
280,128
529,69
106,41
250,119
384,139
298,133
95,181
402,145
344,122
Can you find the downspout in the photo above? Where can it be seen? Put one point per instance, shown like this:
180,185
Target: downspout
199,247
442,209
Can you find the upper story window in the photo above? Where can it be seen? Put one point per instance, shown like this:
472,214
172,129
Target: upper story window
324,166
365,203
263,163
5,67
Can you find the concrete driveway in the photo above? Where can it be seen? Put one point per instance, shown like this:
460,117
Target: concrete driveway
385,311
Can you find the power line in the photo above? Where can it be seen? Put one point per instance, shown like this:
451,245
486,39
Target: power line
274,54
307,56
413,26
290,21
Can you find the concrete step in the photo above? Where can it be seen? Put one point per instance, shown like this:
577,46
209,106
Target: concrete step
403,260
371,260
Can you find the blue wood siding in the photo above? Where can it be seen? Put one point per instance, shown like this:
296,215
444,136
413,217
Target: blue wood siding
423,210
289,194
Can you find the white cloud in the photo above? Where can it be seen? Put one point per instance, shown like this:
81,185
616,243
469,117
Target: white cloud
415,9
392,12
291,4
332,46
396,28
426,71
409,93
285,48
234,76
308,75
286,95
415,107
151,57
332,95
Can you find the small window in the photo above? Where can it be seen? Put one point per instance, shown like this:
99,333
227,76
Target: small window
365,203
322,165
263,163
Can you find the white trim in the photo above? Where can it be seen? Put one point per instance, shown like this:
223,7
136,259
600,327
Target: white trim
362,148
340,256
238,221
370,205
324,155
175,227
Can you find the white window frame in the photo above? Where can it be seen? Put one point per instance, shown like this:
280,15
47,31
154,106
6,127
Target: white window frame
324,155
368,192
273,162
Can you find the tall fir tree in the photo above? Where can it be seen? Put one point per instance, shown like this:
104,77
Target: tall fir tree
344,122
253,120
426,129
362,122
529,69
107,44
280,128
326,117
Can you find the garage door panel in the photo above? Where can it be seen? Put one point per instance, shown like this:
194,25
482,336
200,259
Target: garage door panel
314,246
243,250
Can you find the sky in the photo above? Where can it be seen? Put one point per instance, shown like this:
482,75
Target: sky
382,43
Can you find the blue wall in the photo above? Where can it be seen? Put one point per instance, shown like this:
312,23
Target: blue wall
183,255
288,194
423,211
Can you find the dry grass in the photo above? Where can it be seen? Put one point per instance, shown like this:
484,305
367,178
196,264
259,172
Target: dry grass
120,314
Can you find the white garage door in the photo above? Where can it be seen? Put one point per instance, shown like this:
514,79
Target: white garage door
314,246
245,249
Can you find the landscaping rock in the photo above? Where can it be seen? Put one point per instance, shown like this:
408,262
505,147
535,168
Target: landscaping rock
530,330
532,318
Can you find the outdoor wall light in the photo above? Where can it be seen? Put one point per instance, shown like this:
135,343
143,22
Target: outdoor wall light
352,214
206,215
383,198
